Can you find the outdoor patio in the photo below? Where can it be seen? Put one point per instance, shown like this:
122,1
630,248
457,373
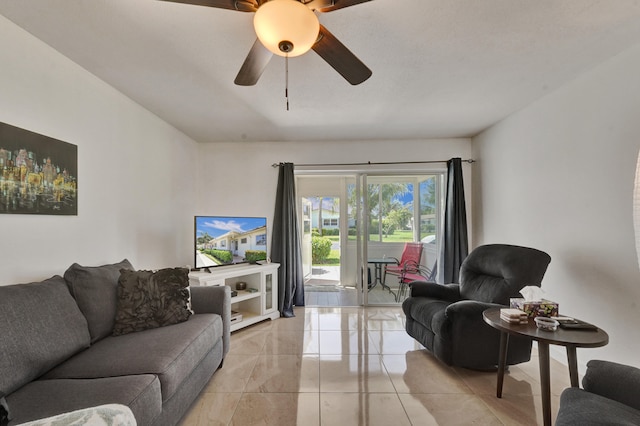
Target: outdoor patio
324,289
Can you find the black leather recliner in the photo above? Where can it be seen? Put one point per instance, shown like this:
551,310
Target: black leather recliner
447,319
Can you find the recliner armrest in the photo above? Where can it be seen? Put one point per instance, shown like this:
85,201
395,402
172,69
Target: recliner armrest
614,381
214,300
448,292
473,308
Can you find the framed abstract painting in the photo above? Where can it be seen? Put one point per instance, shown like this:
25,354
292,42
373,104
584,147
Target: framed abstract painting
38,174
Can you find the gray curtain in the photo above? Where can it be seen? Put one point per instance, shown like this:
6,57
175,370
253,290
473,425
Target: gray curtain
455,247
285,244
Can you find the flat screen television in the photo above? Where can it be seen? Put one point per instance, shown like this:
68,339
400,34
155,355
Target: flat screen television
229,240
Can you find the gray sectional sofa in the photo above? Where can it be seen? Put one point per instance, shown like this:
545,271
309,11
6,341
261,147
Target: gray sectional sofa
58,354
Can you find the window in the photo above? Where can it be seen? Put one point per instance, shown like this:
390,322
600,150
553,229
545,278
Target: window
330,222
400,208
243,240
391,211
261,240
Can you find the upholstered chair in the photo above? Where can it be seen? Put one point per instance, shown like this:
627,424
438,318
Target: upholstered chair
609,396
447,319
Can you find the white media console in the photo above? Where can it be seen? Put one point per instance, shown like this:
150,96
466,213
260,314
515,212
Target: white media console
258,302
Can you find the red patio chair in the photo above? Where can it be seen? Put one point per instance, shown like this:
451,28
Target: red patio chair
410,273
412,252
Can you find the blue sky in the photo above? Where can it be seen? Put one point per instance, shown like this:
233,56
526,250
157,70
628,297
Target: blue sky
327,202
220,225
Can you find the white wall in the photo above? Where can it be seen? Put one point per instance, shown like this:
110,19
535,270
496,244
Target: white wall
136,174
558,176
237,178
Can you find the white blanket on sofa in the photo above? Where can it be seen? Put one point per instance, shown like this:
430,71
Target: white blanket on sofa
102,415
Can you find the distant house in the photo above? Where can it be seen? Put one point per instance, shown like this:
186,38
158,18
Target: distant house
239,242
330,219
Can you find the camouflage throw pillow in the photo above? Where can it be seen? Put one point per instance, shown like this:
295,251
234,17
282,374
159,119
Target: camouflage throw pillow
148,299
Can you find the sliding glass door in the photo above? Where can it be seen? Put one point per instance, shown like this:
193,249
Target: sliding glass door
398,212
328,264
360,225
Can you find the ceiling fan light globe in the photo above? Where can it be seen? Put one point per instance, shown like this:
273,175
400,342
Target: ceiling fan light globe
278,21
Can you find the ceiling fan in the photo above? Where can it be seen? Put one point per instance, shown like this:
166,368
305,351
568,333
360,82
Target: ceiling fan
290,28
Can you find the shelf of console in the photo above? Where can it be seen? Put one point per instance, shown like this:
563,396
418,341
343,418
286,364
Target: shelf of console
256,305
250,318
244,295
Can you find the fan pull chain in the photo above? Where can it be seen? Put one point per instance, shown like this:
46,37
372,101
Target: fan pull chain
286,79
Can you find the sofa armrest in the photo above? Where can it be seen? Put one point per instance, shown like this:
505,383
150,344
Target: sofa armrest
448,292
614,381
214,300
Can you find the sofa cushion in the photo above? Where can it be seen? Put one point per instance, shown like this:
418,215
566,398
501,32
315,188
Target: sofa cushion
149,299
40,327
580,408
95,289
46,398
170,352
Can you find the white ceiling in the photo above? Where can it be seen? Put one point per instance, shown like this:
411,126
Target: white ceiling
441,68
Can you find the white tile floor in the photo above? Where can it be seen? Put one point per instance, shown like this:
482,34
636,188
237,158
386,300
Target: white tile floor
324,288
357,366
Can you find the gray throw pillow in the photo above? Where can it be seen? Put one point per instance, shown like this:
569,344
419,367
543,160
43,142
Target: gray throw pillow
95,290
149,299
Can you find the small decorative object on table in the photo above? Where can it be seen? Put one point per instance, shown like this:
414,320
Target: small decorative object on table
513,316
546,324
533,304
574,324
241,285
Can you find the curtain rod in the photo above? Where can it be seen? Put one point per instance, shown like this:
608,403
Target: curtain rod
369,163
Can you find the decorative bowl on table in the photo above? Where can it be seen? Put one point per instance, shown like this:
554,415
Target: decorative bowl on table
241,286
546,324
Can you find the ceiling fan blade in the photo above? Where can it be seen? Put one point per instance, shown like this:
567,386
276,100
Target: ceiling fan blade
340,58
241,5
252,68
329,5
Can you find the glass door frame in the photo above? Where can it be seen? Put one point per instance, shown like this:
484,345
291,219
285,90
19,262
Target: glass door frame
361,178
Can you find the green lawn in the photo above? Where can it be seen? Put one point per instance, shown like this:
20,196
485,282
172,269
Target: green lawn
397,237
332,260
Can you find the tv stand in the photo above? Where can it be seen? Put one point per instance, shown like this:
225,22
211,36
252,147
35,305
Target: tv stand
258,302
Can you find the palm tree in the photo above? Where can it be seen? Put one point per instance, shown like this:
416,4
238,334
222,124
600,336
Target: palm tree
381,199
